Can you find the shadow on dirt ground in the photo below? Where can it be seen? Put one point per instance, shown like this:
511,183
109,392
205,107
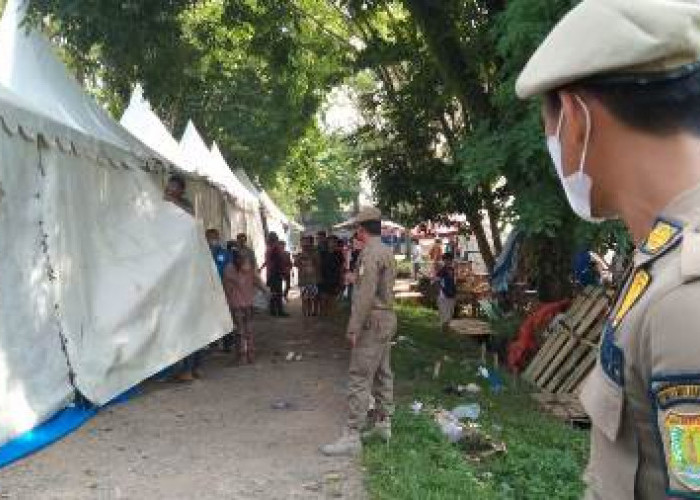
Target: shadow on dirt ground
241,432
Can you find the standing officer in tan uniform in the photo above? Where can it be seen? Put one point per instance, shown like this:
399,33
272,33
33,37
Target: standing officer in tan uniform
370,330
621,87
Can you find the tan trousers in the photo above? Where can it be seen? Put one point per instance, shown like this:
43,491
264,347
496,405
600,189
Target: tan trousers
370,369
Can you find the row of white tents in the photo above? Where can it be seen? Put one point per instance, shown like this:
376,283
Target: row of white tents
102,283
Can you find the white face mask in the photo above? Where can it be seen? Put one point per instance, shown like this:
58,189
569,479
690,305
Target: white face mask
579,185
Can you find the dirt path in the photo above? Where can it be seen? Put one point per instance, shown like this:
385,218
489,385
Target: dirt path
217,438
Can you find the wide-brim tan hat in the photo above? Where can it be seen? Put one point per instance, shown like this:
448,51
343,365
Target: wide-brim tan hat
643,40
366,214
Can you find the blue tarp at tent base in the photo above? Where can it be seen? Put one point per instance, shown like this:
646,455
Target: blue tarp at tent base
57,427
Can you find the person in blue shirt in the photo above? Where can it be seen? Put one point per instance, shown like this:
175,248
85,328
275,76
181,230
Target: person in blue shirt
222,257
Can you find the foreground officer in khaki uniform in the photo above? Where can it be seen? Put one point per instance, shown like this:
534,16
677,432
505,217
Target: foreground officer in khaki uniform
370,330
621,87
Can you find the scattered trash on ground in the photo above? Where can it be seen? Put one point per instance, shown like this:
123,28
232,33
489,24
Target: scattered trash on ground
333,482
494,379
281,404
460,390
449,425
294,356
480,446
314,486
470,437
470,411
472,388
417,407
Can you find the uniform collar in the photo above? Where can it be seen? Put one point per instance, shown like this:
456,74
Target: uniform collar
667,232
685,208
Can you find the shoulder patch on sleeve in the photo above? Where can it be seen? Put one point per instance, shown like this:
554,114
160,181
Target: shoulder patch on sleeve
677,404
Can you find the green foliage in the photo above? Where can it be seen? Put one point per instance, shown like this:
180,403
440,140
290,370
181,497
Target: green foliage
320,176
544,458
443,130
251,73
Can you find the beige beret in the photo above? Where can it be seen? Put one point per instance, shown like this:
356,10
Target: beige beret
605,37
367,214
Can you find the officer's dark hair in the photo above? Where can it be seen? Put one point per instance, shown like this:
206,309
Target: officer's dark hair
179,180
373,227
660,107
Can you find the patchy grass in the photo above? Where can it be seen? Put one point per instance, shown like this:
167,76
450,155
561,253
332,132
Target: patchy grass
545,458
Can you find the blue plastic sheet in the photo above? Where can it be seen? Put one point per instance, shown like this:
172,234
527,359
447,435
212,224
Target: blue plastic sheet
60,425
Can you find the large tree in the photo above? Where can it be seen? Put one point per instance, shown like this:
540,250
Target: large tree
252,73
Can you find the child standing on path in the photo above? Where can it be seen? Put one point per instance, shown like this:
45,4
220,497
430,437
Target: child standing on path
308,262
240,283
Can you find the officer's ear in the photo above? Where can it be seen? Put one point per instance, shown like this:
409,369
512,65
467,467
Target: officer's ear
574,129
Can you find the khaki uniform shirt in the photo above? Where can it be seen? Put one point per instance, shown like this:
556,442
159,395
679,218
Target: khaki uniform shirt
374,283
644,393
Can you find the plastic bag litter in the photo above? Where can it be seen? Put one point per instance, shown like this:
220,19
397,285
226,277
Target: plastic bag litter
472,388
450,426
471,411
494,379
417,407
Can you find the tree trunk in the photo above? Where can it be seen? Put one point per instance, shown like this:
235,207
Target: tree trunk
477,227
494,215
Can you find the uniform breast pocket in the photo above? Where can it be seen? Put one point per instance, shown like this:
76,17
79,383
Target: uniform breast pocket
603,400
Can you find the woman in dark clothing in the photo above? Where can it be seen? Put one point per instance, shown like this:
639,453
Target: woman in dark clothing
274,262
332,267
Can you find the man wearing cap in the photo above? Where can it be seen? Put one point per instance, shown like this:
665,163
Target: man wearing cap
370,330
621,87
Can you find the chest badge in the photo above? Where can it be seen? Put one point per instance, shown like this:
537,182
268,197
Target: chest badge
683,448
639,284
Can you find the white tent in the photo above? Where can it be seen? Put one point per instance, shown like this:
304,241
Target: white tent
232,184
25,64
245,180
276,220
103,284
143,123
208,200
252,218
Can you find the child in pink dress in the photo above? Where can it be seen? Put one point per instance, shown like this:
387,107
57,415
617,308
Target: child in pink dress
241,280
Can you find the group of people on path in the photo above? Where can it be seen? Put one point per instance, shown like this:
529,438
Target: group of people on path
619,82
325,266
366,269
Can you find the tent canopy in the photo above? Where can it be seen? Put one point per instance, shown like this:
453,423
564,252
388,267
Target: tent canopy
95,262
196,152
228,178
142,122
29,67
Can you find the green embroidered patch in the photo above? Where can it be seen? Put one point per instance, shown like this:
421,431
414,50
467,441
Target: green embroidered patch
683,448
